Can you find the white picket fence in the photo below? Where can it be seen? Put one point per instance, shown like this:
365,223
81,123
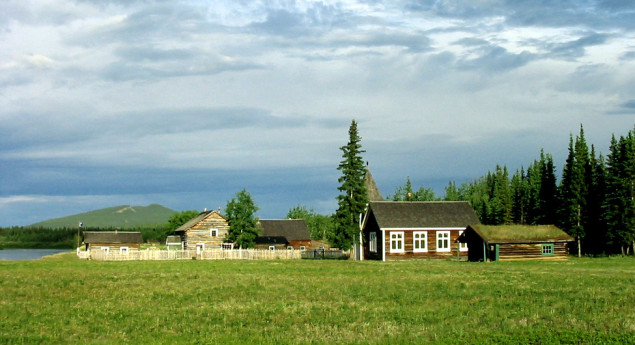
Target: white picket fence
207,254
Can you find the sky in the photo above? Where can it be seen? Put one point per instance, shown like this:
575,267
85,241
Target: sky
185,103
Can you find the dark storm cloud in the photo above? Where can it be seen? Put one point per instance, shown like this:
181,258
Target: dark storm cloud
575,48
177,121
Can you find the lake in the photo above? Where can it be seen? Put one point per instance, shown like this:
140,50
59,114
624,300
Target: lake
28,254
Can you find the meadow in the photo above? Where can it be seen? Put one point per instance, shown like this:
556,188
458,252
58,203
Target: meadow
61,299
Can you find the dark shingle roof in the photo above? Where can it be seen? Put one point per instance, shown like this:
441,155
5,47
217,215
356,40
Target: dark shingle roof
423,214
521,233
291,229
112,237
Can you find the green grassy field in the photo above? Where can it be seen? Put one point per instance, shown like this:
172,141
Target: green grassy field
64,300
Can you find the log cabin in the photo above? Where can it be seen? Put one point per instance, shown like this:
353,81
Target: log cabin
397,230
515,242
205,231
120,242
283,234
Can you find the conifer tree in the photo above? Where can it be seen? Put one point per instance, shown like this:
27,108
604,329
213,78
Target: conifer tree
573,189
406,193
519,194
596,226
548,191
619,205
353,196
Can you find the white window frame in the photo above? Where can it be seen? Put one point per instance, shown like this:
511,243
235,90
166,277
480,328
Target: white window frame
372,242
423,239
443,236
462,246
213,232
397,242
302,247
106,249
272,247
124,250
290,248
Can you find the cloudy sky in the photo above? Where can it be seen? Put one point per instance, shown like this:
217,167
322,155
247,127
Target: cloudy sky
184,103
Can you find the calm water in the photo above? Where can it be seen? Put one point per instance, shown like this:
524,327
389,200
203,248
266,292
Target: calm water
28,254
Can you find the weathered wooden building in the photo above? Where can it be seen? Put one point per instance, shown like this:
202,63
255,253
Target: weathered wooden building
515,242
120,242
395,230
283,234
205,231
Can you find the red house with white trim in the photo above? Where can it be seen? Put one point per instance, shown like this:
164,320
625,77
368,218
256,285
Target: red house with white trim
397,230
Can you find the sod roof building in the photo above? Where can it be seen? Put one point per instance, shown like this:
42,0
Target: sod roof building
515,242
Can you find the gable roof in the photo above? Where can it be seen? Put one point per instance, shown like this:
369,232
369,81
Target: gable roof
520,233
291,229
422,214
371,187
112,237
192,222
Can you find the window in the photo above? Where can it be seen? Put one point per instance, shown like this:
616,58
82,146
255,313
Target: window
302,247
289,247
547,249
227,246
396,242
443,241
272,248
105,249
123,250
213,232
420,241
462,246
372,242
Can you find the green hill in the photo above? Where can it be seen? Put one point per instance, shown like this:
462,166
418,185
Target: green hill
113,217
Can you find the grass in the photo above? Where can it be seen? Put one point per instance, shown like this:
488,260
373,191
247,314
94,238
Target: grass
64,300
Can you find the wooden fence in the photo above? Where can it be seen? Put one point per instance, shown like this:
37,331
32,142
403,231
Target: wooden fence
325,254
207,254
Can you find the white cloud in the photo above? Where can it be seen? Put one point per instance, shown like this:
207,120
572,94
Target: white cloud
252,86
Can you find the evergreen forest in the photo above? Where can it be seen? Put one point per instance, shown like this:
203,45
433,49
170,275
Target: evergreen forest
593,201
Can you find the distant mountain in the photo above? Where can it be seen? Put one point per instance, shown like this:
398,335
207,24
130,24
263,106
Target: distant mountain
113,217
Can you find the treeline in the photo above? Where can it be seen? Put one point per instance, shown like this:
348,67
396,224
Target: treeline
37,237
593,201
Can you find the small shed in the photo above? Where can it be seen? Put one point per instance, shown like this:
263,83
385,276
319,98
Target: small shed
283,234
515,242
112,241
205,231
174,242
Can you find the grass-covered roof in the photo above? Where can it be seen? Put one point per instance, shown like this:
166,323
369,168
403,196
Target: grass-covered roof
521,233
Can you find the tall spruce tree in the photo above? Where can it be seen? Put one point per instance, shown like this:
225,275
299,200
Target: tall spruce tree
548,191
574,189
619,204
353,196
596,225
